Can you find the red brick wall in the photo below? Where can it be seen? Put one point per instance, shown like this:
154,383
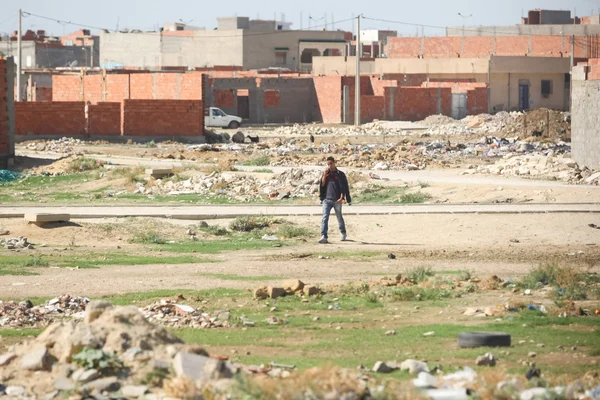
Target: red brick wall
329,98
166,86
163,118
92,88
417,103
4,141
191,86
50,118
223,98
512,45
66,88
477,101
142,86
407,79
477,47
117,87
405,48
272,98
43,94
371,107
481,47
104,119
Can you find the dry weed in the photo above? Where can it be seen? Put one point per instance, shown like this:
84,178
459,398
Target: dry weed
181,388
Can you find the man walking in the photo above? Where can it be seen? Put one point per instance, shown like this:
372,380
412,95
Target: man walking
333,192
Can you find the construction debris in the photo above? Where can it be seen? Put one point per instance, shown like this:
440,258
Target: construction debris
169,313
16,243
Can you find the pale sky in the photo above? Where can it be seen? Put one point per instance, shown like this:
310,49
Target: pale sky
148,14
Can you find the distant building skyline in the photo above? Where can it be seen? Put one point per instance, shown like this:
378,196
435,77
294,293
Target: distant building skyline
415,18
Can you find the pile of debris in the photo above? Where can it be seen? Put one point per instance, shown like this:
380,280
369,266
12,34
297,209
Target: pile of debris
63,145
375,128
25,314
289,184
541,123
16,243
169,313
288,288
18,315
539,166
66,305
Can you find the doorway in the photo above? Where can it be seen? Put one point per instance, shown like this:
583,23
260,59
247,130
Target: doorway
459,105
243,106
523,96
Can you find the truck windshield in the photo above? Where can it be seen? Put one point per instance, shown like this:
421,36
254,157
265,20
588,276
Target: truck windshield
218,113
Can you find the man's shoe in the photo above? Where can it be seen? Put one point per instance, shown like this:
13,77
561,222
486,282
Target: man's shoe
323,240
343,237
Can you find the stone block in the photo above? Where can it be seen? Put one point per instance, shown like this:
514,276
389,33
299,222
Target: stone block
44,218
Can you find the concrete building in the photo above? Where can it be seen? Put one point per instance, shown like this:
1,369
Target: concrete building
514,83
585,120
41,51
537,22
237,42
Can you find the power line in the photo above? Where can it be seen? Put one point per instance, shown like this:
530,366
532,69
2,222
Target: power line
63,22
160,33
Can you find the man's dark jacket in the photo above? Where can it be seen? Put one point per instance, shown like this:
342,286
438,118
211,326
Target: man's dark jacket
344,187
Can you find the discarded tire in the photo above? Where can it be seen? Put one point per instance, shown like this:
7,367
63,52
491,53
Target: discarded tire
483,339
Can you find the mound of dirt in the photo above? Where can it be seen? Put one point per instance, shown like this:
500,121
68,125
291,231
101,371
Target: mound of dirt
535,123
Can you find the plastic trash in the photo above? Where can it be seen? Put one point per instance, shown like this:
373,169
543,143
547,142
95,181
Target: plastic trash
7,176
271,238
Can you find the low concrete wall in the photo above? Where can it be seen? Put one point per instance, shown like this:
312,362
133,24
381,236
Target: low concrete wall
585,123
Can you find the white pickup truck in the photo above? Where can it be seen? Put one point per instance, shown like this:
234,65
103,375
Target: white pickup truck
216,117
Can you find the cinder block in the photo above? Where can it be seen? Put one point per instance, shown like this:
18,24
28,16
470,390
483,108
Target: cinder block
43,218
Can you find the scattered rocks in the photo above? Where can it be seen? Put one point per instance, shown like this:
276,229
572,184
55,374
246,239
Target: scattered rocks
414,366
532,354
169,313
275,292
35,360
383,368
488,359
293,286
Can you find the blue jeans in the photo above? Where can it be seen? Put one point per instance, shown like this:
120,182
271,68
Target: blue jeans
327,206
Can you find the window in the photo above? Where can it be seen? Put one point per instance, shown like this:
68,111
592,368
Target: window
546,88
218,113
280,57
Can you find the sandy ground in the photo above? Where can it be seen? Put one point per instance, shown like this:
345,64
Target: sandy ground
479,243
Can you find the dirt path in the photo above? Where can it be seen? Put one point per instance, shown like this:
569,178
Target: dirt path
479,243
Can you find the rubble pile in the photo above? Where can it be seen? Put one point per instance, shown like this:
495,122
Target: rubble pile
63,145
535,124
371,128
18,315
66,305
16,243
169,313
540,166
289,184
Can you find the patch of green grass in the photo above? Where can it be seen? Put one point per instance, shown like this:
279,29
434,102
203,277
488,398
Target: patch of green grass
413,198
231,277
148,237
423,185
215,230
81,164
566,279
415,293
12,271
148,297
36,261
150,144
291,231
251,222
263,171
260,161
19,332
419,274
98,260
214,246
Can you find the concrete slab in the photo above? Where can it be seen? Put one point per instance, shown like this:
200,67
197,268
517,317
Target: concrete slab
158,173
44,218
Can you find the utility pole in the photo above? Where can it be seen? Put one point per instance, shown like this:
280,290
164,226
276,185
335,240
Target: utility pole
357,81
19,56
